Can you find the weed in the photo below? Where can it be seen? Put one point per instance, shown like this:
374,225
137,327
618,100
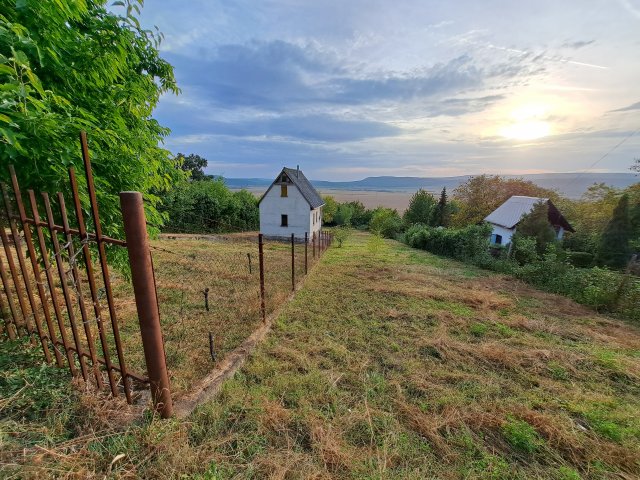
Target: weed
478,329
521,436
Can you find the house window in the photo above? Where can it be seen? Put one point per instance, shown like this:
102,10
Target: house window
496,239
283,190
284,220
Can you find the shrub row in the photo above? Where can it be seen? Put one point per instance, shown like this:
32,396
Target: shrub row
599,288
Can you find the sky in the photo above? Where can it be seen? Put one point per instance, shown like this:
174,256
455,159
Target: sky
354,88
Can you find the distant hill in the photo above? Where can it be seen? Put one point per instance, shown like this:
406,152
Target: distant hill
572,185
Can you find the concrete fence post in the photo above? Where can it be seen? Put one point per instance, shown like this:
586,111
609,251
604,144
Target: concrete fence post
144,289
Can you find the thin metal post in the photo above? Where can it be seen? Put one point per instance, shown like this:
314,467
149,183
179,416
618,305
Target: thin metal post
93,288
144,289
14,276
102,255
263,310
11,324
313,241
65,289
77,282
293,263
306,244
52,288
249,257
34,265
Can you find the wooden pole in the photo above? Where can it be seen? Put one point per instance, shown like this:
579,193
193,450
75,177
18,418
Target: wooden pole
293,263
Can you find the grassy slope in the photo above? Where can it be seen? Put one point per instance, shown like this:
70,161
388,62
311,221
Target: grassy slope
393,363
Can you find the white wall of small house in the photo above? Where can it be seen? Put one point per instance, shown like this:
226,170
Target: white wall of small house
295,206
506,233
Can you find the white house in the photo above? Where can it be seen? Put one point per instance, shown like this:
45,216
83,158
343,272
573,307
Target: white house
506,217
290,205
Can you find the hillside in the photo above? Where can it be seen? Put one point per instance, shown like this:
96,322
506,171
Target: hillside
389,363
572,185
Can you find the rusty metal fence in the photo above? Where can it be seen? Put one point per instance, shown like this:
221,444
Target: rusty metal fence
194,300
57,284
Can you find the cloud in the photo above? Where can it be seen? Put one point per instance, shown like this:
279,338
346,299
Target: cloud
634,106
575,45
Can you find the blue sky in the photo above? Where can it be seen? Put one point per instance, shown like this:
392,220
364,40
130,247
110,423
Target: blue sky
348,89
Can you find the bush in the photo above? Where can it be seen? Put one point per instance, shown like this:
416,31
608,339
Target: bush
599,288
208,206
470,243
386,222
580,259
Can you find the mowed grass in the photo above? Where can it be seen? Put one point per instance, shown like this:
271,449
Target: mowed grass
394,363
227,267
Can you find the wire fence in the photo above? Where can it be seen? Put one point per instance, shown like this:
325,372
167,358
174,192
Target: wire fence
210,296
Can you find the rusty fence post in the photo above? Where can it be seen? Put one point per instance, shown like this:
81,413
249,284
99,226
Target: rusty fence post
144,289
293,262
263,310
306,244
313,244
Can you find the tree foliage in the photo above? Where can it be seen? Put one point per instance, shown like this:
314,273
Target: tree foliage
71,66
193,164
329,210
613,250
481,195
421,208
386,222
208,206
535,224
442,211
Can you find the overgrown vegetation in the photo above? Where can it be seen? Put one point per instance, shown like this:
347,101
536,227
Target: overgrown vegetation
75,65
419,367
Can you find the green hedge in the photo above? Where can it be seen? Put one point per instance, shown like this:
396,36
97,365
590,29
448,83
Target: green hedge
599,288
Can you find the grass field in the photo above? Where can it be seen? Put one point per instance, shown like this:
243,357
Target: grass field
389,363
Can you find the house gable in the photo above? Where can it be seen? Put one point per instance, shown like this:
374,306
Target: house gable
510,213
294,177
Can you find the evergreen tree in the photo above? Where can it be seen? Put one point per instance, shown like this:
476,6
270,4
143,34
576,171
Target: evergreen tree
614,249
442,212
421,208
536,224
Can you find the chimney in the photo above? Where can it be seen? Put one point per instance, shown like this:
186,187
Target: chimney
297,171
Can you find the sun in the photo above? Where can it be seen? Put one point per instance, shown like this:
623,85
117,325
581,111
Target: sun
527,123
526,130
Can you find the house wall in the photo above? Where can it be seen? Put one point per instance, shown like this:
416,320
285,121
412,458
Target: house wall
294,205
506,233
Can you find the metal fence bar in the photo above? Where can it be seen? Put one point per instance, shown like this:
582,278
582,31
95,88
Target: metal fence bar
14,273
36,272
306,253
10,324
57,253
77,283
102,254
293,263
51,283
97,310
146,302
263,310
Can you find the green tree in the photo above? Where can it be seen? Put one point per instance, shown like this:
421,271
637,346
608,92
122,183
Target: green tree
329,210
209,207
386,222
193,164
442,210
613,250
536,224
71,66
361,215
343,215
421,208
481,195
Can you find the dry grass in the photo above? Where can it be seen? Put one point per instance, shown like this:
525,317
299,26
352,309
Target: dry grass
393,363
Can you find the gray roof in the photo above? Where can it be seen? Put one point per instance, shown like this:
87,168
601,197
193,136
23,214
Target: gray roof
510,213
309,193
